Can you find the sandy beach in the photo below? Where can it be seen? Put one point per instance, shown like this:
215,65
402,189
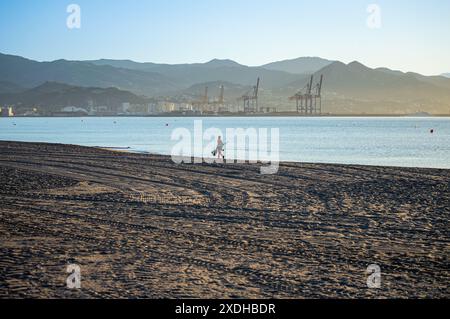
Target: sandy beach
140,226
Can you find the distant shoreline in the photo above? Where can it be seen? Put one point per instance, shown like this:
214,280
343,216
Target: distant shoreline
241,115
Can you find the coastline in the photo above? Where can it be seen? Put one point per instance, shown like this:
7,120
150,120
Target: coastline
287,114
142,226
129,150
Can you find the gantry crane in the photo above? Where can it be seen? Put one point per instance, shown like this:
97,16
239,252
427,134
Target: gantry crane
202,103
218,102
306,99
251,99
318,96
205,96
221,95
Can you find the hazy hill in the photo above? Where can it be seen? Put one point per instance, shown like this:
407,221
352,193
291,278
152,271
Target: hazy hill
215,70
435,80
9,87
355,79
447,75
304,65
441,81
231,91
141,78
148,66
52,96
348,88
355,88
393,72
29,73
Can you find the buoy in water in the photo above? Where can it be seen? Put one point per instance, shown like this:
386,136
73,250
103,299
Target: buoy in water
432,131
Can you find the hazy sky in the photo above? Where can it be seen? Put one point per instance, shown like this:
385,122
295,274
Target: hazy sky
414,34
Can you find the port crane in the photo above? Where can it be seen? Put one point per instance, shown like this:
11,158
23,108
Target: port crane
205,96
221,95
218,102
204,104
251,99
309,98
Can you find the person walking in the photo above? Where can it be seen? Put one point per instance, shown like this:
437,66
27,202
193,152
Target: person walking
219,149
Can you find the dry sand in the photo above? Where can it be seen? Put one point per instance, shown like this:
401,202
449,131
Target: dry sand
216,231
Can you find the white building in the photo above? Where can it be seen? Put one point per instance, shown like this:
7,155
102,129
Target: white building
152,108
73,109
125,107
6,111
166,107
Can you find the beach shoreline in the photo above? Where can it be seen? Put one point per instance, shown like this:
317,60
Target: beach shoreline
140,226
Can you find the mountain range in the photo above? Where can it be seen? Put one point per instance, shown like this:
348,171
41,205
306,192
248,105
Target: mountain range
214,70
9,87
348,88
303,65
52,96
28,73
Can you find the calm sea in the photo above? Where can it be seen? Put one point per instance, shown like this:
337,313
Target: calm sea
405,142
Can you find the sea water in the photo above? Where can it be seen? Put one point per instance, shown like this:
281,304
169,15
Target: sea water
386,141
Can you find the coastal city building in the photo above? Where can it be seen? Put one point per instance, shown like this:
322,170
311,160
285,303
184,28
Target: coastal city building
6,111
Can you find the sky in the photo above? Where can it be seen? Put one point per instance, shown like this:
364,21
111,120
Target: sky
406,35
